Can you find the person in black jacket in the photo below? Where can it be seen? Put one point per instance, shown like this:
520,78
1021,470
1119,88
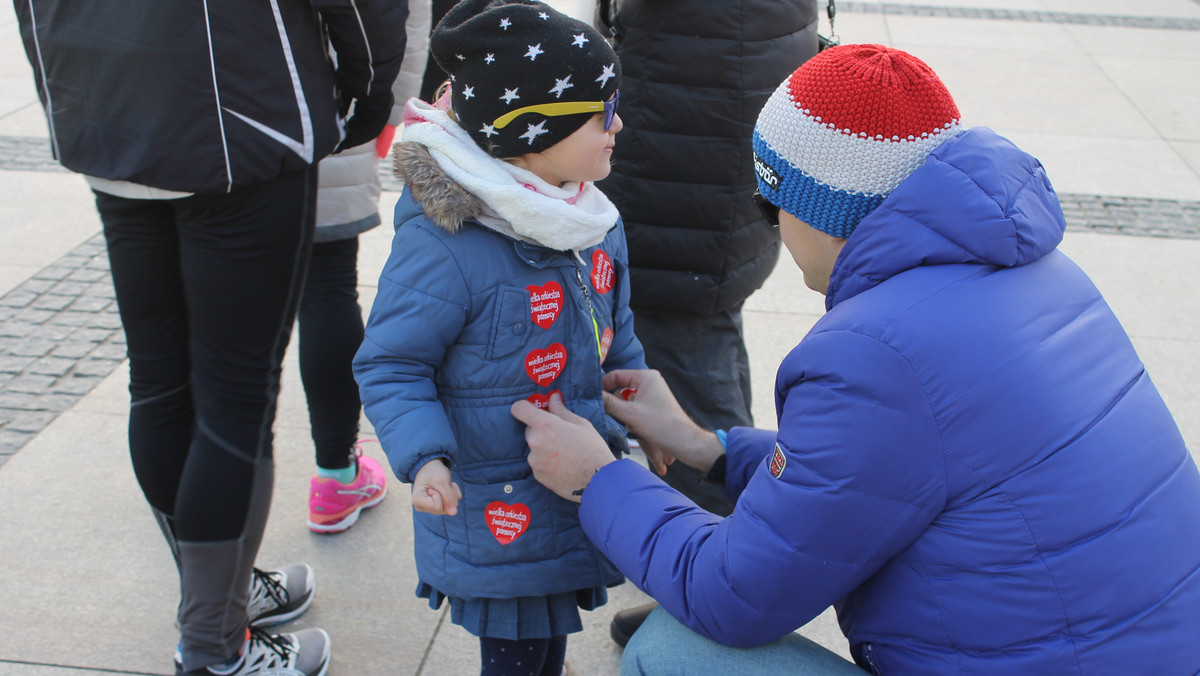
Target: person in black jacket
696,76
199,126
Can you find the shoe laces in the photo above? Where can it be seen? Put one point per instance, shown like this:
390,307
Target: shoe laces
269,582
275,643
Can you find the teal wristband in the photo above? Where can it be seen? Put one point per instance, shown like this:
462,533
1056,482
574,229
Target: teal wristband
723,437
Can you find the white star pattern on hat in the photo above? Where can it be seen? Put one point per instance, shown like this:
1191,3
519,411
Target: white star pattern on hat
534,50
510,95
505,23
561,86
461,57
488,131
489,58
543,16
468,92
580,40
609,72
534,131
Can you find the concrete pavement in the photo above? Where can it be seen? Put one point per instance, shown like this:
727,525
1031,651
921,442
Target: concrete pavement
1105,93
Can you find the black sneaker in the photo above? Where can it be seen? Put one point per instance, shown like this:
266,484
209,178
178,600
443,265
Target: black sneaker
627,621
277,596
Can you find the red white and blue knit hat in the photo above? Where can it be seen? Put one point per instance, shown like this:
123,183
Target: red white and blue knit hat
845,129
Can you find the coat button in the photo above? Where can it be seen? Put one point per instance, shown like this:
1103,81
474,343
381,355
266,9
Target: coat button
508,488
518,328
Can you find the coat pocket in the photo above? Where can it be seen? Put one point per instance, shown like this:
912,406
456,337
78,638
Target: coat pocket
510,522
510,322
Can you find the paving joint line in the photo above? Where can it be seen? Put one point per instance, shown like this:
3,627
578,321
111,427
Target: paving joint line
1029,15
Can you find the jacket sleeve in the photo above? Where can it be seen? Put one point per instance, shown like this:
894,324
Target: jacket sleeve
368,37
626,350
419,310
859,477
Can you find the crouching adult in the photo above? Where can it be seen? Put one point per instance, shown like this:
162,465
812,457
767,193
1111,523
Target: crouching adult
971,464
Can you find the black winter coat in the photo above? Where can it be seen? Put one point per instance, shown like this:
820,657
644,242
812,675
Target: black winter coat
204,97
695,75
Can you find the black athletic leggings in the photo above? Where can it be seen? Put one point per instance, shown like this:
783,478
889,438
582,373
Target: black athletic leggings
207,288
331,329
527,657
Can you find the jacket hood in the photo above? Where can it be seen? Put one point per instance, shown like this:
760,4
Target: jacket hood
977,199
444,202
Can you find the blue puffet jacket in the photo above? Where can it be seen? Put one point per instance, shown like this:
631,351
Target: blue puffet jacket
465,323
972,464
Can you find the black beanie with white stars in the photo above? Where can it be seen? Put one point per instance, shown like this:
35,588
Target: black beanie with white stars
505,55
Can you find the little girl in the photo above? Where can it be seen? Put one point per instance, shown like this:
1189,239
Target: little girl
507,280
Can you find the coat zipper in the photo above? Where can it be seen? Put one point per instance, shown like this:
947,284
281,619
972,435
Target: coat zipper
591,310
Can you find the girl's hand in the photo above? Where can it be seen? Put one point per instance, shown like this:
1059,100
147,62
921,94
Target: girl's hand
433,492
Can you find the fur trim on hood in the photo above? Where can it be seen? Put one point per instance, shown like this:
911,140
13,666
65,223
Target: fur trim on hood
444,201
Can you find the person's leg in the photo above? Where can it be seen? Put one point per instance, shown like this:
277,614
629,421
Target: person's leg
664,647
243,258
522,657
331,330
143,252
703,360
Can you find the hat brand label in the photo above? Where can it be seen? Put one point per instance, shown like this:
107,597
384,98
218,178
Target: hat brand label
765,173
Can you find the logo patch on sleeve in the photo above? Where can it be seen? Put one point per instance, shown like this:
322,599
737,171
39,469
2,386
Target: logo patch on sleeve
778,461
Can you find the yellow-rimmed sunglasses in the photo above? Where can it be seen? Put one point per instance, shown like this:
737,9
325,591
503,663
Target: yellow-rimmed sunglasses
609,108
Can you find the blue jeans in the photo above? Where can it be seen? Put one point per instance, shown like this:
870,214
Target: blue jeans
664,647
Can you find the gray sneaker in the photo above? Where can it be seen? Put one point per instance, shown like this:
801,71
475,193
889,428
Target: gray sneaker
303,653
277,596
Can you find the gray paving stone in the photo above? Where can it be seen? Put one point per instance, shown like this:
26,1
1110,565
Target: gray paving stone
18,401
52,366
31,383
33,347
76,384
96,367
31,422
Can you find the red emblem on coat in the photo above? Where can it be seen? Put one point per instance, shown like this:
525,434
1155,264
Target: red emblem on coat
543,366
602,271
507,522
542,401
545,303
778,461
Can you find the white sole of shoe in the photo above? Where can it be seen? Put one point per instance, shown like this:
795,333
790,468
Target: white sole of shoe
351,518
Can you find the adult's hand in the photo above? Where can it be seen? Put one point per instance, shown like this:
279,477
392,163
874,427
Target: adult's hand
662,427
433,491
564,449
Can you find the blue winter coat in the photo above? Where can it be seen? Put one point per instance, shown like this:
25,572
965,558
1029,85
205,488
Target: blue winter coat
464,324
972,464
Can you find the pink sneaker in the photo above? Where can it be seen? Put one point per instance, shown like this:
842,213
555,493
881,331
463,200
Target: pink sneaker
333,506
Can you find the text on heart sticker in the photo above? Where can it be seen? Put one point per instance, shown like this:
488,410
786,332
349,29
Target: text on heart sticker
543,366
507,522
545,303
542,400
602,271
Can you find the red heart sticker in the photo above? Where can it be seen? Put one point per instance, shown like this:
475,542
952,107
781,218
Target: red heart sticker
542,400
543,366
605,342
545,303
507,522
602,271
